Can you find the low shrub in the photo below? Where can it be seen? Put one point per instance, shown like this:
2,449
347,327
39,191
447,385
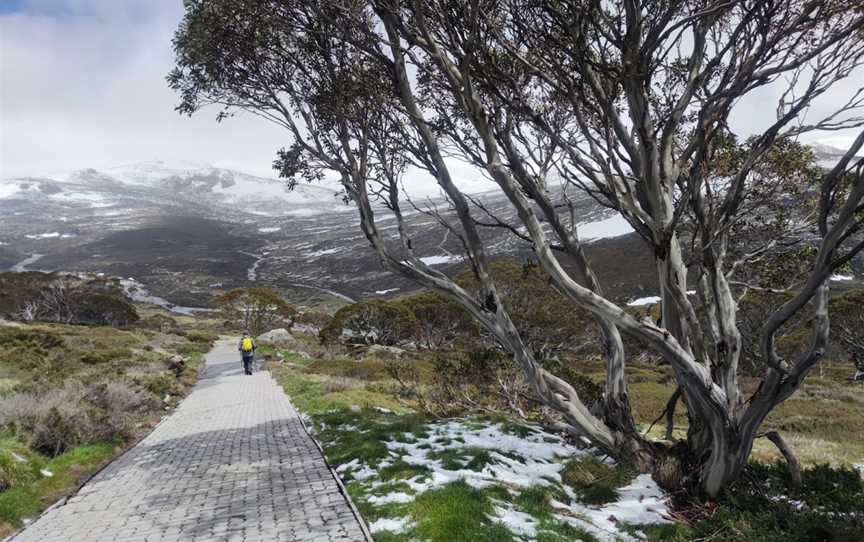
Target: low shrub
99,357
118,405
371,322
57,432
313,320
339,383
62,418
201,337
191,348
160,322
159,384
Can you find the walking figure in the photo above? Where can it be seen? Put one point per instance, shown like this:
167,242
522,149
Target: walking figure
247,350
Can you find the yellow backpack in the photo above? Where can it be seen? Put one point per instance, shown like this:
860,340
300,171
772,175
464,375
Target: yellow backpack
247,344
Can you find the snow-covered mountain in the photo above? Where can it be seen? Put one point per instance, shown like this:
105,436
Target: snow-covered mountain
183,184
187,231
826,155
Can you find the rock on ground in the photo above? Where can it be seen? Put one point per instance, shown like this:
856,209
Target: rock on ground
276,337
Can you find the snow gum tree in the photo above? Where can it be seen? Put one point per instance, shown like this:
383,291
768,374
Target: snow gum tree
257,310
631,102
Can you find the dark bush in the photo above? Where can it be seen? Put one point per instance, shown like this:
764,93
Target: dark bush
548,322
441,321
117,406
56,432
56,420
101,309
371,322
314,320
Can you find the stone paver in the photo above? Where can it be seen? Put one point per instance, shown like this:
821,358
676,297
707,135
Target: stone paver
231,463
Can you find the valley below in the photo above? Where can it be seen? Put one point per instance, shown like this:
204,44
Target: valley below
189,233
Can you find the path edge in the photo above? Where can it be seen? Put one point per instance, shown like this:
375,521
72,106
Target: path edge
128,448
367,534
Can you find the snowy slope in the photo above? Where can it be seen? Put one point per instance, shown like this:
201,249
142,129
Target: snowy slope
174,184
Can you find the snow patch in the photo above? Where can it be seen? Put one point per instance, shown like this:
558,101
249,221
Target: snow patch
397,497
614,226
513,461
272,229
642,301
7,190
519,523
394,525
441,259
839,278
324,252
640,502
521,461
52,235
385,292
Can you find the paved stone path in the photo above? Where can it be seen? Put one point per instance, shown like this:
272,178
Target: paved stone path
231,463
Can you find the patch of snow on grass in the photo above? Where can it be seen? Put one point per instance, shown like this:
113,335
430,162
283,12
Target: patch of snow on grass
536,463
397,497
614,226
441,259
385,292
324,252
518,523
271,229
52,235
356,470
393,525
642,301
838,278
513,461
641,502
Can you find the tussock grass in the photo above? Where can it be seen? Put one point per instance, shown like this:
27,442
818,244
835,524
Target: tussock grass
79,393
596,482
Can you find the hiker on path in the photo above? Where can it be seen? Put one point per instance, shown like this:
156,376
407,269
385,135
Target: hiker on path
247,348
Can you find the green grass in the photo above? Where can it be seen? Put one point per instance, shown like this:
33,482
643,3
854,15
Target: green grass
350,427
468,458
30,497
596,482
455,512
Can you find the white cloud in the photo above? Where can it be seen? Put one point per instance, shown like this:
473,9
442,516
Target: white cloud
83,85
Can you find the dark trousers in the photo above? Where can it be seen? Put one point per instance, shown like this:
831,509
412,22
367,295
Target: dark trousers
247,364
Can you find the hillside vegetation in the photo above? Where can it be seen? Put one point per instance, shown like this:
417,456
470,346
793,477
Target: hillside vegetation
72,397
437,435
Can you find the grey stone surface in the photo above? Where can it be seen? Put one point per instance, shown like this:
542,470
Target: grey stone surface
231,463
277,337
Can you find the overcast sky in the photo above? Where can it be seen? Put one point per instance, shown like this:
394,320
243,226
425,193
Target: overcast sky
82,84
